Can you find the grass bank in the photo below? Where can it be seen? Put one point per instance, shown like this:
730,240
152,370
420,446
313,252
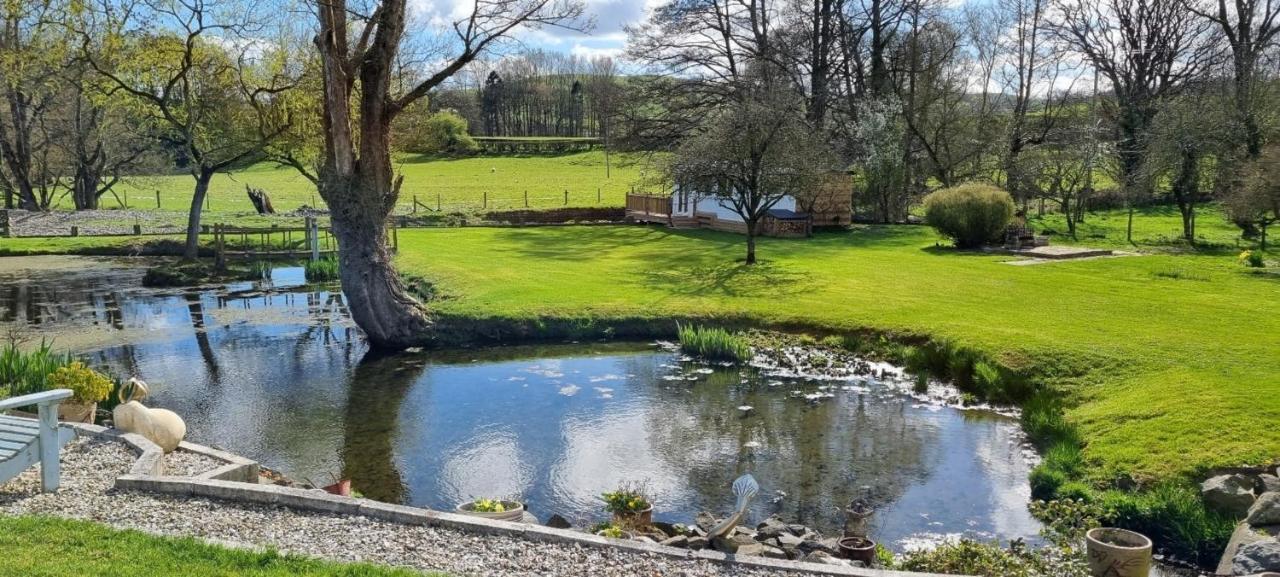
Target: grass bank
1161,359
47,547
457,181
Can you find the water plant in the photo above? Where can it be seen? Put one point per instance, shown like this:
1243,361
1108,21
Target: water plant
322,270
23,372
713,343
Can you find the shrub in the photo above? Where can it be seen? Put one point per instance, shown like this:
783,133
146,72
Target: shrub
488,506
713,343
1252,259
86,384
325,269
971,215
445,132
1173,515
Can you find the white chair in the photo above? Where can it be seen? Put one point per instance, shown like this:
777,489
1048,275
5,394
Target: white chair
25,442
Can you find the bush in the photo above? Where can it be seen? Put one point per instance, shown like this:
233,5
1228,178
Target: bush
86,384
971,215
713,343
1252,259
445,132
1045,481
1173,515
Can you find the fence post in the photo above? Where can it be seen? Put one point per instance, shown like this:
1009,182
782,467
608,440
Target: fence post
219,248
597,195
75,231
126,200
526,199
313,226
157,199
438,209
415,204
566,197
208,200
486,200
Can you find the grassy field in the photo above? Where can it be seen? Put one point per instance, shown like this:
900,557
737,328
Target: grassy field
1153,226
1170,358
460,184
44,547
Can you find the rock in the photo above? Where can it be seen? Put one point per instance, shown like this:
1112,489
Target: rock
797,530
670,529
1265,511
677,541
697,543
1265,483
705,521
1257,558
1229,494
732,543
789,541
643,539
754,549
771,527
558,522
830,546
774,553
824,558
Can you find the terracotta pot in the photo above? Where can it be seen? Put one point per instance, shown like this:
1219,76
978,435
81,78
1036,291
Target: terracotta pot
639,518
342,488
858,549
72,411
514,511
1117,553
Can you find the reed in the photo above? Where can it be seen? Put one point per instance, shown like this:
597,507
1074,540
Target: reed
713,343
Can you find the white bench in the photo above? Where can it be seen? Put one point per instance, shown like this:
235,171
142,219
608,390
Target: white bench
25,442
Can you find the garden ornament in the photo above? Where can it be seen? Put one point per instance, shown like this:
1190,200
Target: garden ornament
745,489
160,426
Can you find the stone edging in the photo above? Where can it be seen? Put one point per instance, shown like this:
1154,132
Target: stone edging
233,482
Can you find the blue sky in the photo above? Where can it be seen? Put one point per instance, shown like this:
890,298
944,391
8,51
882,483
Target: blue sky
606,38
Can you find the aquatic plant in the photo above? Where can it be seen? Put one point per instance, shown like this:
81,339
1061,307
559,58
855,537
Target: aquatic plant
488,506
24,372
322,270
713,343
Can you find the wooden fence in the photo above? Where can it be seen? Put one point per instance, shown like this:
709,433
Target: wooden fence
310,241
648,206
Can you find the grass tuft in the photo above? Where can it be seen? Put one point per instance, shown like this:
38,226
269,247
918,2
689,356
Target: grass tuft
323,270
713,343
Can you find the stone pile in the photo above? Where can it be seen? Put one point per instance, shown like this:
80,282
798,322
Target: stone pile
1254,497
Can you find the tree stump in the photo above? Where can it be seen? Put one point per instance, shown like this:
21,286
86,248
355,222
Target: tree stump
261,202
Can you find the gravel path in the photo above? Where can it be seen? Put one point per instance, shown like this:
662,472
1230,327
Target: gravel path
188,464
90,467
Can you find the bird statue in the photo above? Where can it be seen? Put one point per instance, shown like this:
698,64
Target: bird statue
745,489
160,426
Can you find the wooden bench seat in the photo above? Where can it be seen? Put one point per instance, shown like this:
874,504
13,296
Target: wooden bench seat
25,442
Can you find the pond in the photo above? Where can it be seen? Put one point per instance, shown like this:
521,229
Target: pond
275,371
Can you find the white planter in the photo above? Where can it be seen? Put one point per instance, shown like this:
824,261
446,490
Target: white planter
514,511
1117,553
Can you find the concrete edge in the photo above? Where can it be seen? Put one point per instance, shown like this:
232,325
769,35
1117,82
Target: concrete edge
146,475
236,468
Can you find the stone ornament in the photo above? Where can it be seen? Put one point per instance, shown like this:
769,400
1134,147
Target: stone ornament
160,426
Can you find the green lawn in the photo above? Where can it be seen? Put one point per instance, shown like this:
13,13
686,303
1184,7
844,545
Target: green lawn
46,547
1170,359
22,246
1153,226
460,183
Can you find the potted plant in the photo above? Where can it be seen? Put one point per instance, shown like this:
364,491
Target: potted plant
858,549
500,509
629,505
1117,552
612,530
87,388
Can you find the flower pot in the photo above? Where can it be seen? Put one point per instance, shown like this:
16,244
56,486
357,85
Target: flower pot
342,488
514,511
72,411
1117,553
642,518
858,549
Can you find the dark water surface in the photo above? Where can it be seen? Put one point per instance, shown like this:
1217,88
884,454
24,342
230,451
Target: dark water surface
276,372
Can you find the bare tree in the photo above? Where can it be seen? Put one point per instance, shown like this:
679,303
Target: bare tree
31,42
1256,202
356,177
752,153
1250,28
1147,50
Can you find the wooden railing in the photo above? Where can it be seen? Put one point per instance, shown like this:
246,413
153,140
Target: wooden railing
649,204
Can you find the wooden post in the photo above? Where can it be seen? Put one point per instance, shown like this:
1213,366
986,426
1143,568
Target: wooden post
566,197
598,195
208,200
48,414
415,204
486,200
526,199
438,202
126,200
219,247
157,199
75,231
314,227
137,230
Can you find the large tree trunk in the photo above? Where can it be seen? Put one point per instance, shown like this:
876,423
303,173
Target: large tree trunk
192,249
751,242
84,188
1184,193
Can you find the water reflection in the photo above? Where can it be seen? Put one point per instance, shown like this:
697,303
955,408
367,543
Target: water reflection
277,373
